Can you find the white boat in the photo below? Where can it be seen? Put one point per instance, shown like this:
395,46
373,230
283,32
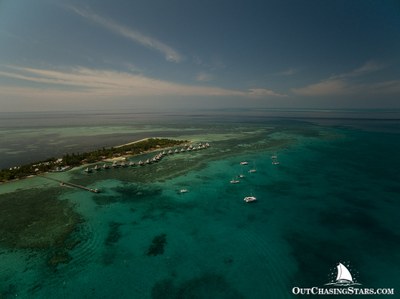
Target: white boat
252,170
183,191
249,199
274,159
241,176
97,167
244,163
233,181
88,170
106,166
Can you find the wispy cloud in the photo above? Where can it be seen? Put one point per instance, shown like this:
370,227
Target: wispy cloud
287,72
351,83
204,77
90,83
325,87
263,92
129,33
367,68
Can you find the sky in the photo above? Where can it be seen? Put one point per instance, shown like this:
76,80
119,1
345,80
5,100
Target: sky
209,54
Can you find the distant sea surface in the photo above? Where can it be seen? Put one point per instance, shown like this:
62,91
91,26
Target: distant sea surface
333,197
28,137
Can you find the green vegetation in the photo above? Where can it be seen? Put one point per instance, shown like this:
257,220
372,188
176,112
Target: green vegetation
76,159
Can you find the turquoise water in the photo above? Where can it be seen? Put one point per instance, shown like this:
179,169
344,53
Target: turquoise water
333,198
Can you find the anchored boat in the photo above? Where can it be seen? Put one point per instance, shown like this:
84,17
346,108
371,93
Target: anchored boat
250,199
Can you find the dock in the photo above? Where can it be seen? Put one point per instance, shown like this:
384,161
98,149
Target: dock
62,183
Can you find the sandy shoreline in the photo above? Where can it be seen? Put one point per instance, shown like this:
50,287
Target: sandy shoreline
133,142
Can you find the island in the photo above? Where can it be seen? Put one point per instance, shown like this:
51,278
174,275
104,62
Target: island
70,160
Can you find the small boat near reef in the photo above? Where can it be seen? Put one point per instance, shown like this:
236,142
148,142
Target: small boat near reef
250,199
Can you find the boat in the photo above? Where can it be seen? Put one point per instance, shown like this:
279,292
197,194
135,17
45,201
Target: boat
97,168
131,163
249,199
115,164
106,166
233,181
140,163
244,163
241,176
88,170
254,169
274,159
183,191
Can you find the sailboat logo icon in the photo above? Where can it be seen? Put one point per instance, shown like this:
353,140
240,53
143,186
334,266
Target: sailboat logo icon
343,281
343,277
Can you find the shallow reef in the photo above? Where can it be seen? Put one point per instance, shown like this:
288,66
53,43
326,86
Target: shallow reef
157,245
114,233
36,219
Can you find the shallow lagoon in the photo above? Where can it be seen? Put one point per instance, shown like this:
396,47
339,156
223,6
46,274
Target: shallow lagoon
332,198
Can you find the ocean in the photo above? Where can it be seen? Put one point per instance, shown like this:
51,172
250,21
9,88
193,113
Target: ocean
333,198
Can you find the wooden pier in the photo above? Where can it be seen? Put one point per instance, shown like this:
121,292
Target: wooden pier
62,183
